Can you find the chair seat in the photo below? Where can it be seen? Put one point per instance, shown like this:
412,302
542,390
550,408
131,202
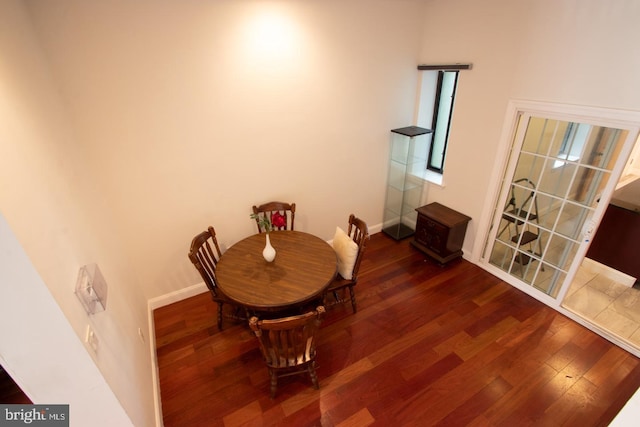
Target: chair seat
339,283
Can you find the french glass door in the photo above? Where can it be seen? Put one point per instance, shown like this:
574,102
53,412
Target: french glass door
557,172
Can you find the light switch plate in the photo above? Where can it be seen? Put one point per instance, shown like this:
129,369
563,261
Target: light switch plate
92,339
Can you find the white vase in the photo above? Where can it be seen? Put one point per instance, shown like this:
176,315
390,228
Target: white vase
269,253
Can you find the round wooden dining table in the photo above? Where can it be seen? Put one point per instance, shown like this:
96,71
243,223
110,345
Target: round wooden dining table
303,268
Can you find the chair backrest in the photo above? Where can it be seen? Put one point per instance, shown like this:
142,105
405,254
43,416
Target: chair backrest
288,210
359,233
204,254
289,341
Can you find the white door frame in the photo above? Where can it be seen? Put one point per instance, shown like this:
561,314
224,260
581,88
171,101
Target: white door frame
604,117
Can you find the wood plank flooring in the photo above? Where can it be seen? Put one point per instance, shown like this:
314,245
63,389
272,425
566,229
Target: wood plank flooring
429,346
10,392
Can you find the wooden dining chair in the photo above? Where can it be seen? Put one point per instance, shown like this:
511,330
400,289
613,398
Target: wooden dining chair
288,210
204,254
288,345
349,249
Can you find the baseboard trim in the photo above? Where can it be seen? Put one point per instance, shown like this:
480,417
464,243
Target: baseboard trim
376,229
176,296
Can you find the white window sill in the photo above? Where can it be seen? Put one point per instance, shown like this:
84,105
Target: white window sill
431,177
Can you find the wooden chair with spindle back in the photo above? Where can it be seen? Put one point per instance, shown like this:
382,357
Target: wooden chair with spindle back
204,254
349,249
288,210
288,345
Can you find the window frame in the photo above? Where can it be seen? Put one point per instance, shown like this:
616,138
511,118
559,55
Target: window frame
425,110
432,164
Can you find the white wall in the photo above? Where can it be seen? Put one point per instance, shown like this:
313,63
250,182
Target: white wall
189,116
51,201
582,52
54,368
484,34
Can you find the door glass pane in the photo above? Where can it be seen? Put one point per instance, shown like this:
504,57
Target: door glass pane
526,266
602,149
529,166
560,251
539,136
570,220
559,175
549,210
563,139
549,280
557,179
588,185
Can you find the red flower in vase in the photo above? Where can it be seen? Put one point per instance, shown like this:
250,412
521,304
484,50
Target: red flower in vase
278,220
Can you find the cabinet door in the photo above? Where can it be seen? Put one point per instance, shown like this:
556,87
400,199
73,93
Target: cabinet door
432,234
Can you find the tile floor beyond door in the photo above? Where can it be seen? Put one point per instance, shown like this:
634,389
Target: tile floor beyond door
610,305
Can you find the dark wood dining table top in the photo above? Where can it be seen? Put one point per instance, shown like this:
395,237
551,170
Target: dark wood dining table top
304,267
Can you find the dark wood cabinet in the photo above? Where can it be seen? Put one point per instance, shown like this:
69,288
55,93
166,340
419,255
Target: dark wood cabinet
440,232
617,241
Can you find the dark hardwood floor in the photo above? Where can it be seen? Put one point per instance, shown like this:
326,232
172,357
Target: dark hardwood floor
10,392
429,345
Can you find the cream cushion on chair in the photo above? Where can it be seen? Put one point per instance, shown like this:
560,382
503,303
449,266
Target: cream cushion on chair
347,251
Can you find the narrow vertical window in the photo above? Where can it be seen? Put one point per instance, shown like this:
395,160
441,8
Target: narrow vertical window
442,113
